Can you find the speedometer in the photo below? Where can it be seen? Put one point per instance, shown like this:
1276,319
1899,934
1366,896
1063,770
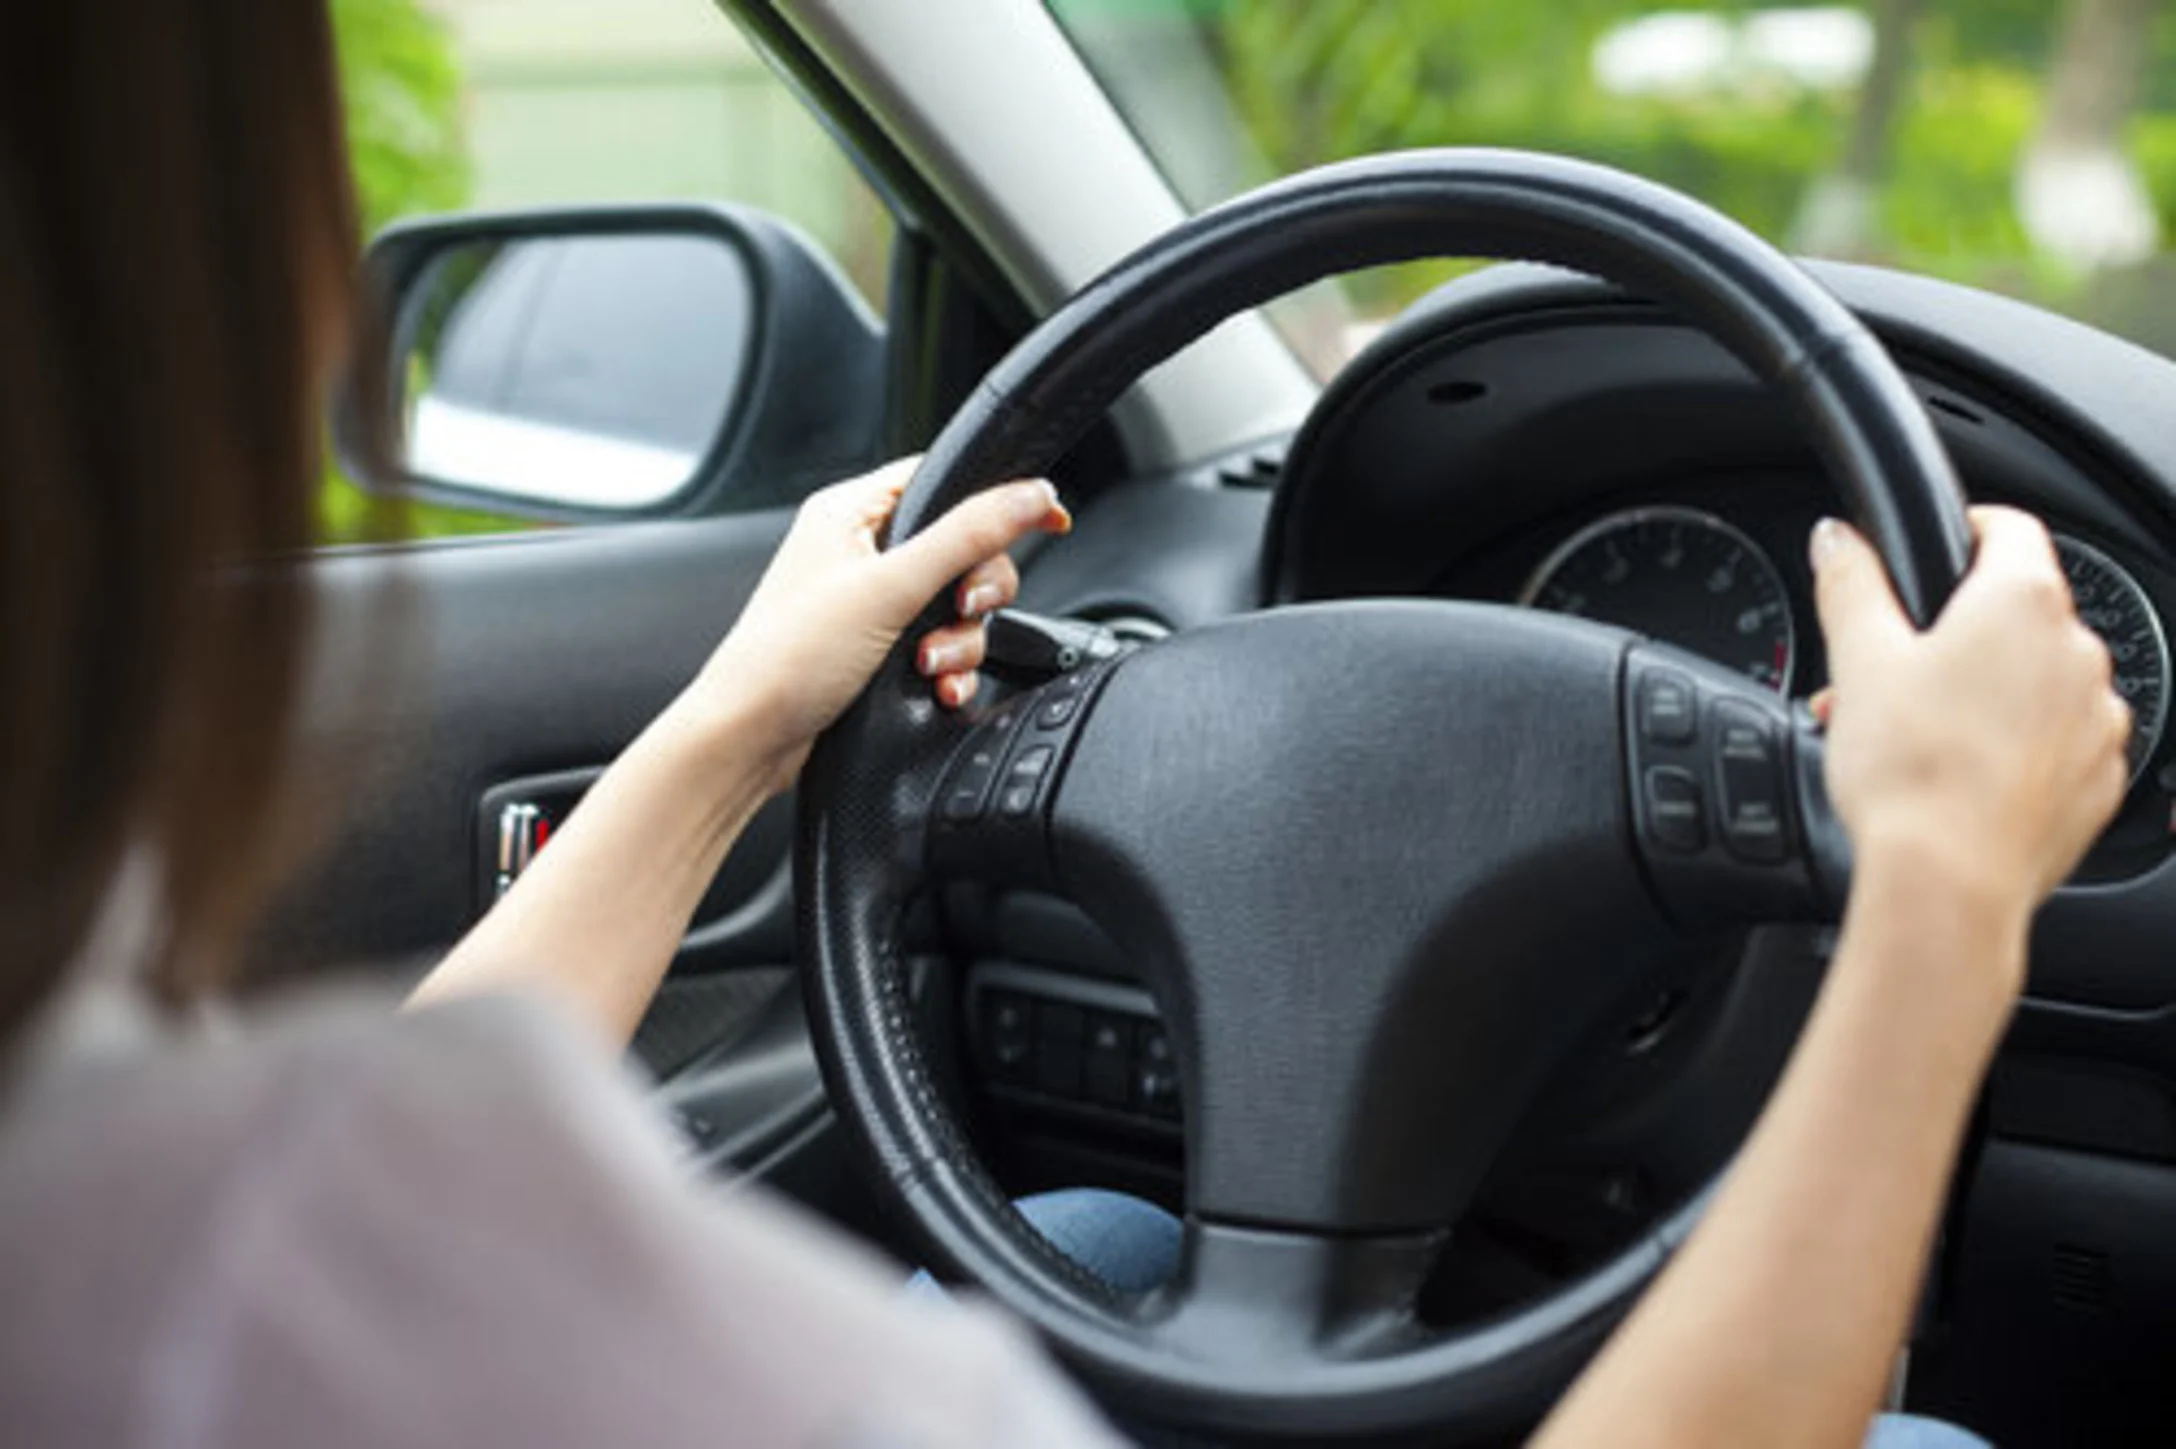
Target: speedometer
2114,605
1681,576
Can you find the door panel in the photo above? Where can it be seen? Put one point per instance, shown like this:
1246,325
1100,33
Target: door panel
448,669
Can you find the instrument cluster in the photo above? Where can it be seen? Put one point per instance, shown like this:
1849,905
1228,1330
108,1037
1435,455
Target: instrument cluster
1689,577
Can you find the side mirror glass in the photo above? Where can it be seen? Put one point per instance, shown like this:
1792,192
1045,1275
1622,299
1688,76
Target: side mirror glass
592,372
644,361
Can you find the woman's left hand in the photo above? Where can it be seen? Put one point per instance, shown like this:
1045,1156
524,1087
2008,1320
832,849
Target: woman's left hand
832,604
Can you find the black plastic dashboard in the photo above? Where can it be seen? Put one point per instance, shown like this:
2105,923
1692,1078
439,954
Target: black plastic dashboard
1512,410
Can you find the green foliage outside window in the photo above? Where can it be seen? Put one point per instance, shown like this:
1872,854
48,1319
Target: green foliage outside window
1935,161
403,90
1314,80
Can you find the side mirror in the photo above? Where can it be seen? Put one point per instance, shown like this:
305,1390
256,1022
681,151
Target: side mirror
652,361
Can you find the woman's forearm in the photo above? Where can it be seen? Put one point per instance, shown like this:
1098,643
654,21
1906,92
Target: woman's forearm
595,920
1779,1321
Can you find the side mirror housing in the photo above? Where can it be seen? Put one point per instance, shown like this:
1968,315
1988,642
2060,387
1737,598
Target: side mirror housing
611,362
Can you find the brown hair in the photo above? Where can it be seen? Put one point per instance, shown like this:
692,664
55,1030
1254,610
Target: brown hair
177,243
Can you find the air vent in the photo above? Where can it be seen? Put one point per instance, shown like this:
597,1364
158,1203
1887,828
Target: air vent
2080,1278
1255,468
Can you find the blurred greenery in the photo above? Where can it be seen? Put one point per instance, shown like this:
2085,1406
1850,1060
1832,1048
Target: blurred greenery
1310,81
403,90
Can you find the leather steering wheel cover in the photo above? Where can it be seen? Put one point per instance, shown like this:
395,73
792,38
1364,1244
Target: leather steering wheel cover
872,776
1786,327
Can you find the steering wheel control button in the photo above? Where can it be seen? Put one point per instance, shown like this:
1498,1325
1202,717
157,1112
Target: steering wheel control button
1749,776
1105,1065
1156,1074
1061,701
1067,1048
1669,713
1676,812
990,813
1008,1027
1023,780
967,794
1156,1090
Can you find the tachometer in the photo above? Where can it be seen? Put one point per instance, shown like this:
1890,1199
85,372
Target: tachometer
2114,605
1677,575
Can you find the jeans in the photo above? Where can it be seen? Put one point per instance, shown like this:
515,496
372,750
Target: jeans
1134,1245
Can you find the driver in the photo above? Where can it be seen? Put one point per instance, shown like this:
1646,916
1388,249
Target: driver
330,1224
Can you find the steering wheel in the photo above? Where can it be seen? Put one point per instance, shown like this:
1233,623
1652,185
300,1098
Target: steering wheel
1380,862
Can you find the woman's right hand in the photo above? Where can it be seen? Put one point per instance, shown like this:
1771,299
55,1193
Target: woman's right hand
1991,746
1972,765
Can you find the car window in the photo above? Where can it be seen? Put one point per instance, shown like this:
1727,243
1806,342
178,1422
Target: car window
2025,146
456,104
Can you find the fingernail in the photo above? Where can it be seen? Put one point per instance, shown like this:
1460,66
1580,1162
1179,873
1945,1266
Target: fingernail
941,659
1061,518
980,600
1826,535
957,689
1032,501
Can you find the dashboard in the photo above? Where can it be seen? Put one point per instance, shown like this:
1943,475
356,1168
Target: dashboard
1588,454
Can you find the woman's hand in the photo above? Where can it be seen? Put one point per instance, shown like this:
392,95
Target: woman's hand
1989,748
595,920
831,605
1972,764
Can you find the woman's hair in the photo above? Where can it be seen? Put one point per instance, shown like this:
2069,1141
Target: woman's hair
177,252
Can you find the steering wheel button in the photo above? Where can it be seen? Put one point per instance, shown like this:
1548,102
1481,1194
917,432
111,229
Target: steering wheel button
1668,708
1156,1091
1018,800
1676,813
1031,766
1754,832
1749,773
967,793
1009,1016
1742,742
1058,710
1009,1032
1105,1066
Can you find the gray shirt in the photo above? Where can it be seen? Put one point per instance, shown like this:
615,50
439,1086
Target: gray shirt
348,1229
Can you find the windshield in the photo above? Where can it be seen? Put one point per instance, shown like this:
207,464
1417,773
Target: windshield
2025,146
